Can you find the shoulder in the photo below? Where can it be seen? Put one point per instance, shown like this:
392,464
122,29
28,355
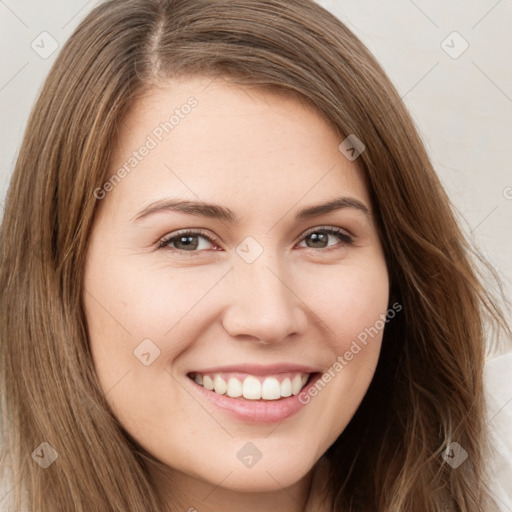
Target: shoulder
498,391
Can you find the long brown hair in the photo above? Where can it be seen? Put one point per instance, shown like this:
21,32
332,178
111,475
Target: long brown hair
427,390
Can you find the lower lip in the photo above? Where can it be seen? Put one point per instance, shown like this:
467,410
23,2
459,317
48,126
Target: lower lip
256,411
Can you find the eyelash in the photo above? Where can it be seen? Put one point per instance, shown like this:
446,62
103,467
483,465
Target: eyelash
163,243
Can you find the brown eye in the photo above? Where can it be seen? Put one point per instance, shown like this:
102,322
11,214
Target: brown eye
319,238
189,241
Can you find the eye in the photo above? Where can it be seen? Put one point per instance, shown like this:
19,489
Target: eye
319,237
198,240
189,241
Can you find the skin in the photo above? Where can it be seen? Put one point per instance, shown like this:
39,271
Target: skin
265,156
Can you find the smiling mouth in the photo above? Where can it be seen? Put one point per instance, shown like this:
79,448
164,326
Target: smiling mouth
253,387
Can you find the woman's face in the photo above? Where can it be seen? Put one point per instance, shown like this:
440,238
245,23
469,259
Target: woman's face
213,260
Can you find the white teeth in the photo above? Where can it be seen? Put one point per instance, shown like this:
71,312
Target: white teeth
208,382
234,388
271,389
252,388
220,385
296,384
286,387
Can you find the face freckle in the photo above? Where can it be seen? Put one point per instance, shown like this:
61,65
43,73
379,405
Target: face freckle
267,290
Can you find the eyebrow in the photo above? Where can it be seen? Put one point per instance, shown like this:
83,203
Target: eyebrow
214,211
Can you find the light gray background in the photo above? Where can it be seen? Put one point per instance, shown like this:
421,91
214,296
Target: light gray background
462,105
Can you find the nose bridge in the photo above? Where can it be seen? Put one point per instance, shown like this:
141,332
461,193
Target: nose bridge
263,304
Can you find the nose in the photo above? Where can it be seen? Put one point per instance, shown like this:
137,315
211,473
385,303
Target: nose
263,305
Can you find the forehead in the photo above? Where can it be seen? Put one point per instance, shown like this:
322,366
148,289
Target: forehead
215,140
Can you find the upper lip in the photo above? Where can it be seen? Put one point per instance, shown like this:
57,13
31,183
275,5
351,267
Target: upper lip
256,369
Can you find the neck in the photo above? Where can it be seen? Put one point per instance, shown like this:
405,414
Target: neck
184,492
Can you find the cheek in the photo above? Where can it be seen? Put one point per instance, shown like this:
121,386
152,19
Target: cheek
353,304
349,301
126,305
140,320
133,315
